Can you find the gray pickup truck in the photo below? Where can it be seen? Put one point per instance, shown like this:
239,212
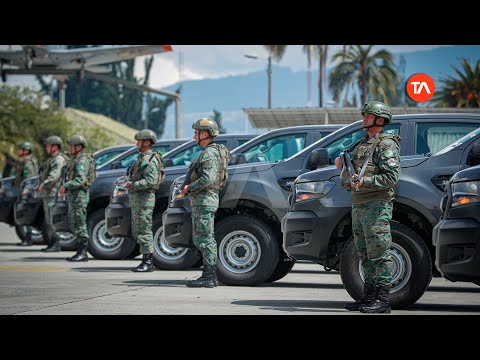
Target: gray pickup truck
274,145
254,201
318,227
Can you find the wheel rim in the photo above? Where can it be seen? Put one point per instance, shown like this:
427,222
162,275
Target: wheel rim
102,239
239,252
37,235
164,250
402,267
65,236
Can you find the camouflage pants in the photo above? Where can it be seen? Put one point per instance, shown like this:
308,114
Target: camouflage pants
77,213
371,232
47,209
203,221
142,228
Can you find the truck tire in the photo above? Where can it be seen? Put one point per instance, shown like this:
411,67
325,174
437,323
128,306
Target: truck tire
135,252
68,241
247,250
166,257
412,267
103,246
37,235
282,269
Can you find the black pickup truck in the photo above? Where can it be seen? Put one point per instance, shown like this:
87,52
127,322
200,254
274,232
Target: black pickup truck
9,194
318,227
274,145
456,237
254,201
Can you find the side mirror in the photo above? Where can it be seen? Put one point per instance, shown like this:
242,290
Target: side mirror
474,155
318,158
116,165
167,162
237,159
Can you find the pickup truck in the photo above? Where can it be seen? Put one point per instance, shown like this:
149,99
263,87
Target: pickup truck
456,237
274,145
9,194
254,200
318,226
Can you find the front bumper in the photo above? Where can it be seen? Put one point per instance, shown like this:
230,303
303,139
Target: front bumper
59,216
27,211
118,216
6,209
177,227
457,249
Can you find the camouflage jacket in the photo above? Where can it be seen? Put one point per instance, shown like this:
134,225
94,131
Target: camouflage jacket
383,169
146,173
52,172
27,169
202,179
77,173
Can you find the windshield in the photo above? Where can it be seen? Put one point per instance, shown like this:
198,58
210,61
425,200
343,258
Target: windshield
460,141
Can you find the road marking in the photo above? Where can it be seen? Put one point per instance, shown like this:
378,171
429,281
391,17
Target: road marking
21,268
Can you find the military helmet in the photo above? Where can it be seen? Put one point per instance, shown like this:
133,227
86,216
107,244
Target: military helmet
206,124
146,134
77,140
379,109
55,140
26,146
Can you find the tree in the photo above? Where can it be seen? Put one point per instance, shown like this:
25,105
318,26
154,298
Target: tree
309,50
462,90
276,51
371,75
217,117
157,114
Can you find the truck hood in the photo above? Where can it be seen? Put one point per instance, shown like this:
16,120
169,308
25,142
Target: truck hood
325,173
469,174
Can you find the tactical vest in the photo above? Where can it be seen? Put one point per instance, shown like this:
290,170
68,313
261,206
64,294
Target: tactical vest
20,177
361,154
46,166
92,173
222,174
137,169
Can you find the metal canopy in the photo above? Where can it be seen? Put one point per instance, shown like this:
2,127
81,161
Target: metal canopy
283,117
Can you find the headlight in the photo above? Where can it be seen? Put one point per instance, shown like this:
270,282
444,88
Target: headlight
118,191
312,190
465,193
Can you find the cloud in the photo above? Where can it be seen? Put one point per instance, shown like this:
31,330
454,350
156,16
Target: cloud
198,62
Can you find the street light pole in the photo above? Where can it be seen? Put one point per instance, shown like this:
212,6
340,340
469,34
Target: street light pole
269,74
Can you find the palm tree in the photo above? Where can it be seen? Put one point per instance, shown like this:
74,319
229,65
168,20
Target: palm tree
364,71
309,50
322,53
461,91
276,51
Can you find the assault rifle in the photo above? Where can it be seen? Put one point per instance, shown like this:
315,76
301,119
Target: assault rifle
347,164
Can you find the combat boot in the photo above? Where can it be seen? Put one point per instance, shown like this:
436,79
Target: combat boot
54,244
381,304
368,297
81,254
28,240
146,265
208,278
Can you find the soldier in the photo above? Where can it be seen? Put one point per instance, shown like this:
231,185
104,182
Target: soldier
146,175
27,168
377,156
80,175
49,186
205,179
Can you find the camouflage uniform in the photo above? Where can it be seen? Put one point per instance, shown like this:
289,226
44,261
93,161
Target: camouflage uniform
204,201
51,182
372,206
77,188
145,174
28,168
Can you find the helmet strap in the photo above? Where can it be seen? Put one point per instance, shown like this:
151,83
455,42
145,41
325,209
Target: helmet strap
375,123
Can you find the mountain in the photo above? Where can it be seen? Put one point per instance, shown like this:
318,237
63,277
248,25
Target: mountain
230,95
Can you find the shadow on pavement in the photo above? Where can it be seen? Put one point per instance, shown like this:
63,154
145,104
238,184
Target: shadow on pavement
454,289
20,250
323,272
303,285
100,269
295,305
444,307
156,282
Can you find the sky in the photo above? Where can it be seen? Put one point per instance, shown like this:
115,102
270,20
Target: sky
221,77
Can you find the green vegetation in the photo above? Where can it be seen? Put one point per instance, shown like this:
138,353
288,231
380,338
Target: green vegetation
27,115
